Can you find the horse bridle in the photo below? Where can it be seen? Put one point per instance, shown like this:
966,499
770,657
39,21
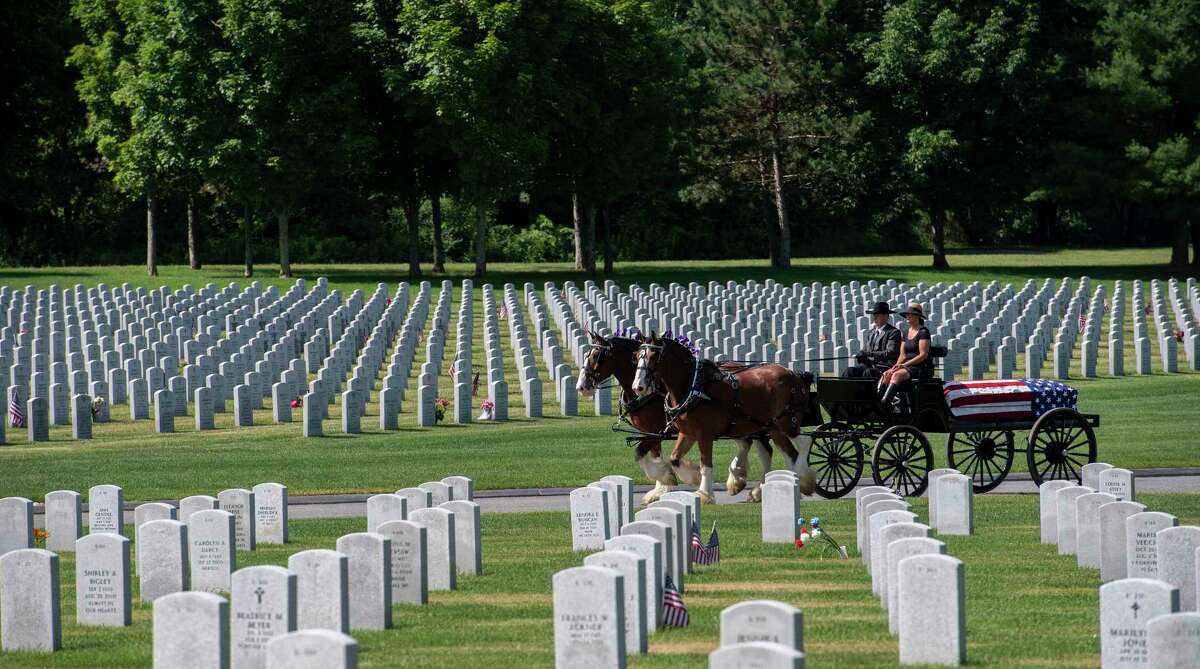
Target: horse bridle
695,394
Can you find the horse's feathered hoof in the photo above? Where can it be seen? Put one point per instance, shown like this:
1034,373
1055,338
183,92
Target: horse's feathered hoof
808,483
734,484
687,472
706,498
755,495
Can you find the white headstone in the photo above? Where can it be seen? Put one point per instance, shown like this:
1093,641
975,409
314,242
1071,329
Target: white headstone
322,589
468,554
102,581
16,524
64,520
1065,521
370,576
212,550
756,655
589,618
1173,641
410,577
440,541
589,518
240,503
191,631
633,569
1125,608
1113,542
270,513
955,505
312,649
1087,528
162,558
106,509
780,512
262,606
932,610
1177,562
30,607
763,620
1141,542
1048,506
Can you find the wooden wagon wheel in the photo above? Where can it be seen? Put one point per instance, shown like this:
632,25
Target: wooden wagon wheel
984,455
836,459
1060,444
902,459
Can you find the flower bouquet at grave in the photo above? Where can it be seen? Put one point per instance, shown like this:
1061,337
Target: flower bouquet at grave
812,536
39,537
297,403
487,410
440,405
97,406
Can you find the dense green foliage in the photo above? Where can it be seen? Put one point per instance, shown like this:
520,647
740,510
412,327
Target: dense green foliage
235,130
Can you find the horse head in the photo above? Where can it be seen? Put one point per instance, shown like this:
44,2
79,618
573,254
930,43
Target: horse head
597,366
660,360
647,364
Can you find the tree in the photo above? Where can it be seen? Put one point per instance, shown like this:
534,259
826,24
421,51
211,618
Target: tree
295,102
958,75
151,94
1150,66
612,96
768,102
480,67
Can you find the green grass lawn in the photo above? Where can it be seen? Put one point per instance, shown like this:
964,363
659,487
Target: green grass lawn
1145,421
1026,605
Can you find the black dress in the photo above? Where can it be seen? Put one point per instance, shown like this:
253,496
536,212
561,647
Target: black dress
912,349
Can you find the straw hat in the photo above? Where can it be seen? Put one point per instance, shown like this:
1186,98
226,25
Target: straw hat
914,309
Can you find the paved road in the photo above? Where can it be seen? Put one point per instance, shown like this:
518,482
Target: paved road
1183,479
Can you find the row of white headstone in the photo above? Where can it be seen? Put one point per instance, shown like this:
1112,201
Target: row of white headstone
158,350
609,606
980,325
921,587
418,539
1149,566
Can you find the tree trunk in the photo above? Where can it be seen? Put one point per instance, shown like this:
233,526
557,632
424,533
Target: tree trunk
193,240
439,251
783,259
584,218
768,219
937,217
606,224
151,235
481,228
1196,244
247,252
1045,221
412,214
285,261
1179,245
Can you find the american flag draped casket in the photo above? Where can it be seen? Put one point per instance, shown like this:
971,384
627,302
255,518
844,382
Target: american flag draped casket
1003,400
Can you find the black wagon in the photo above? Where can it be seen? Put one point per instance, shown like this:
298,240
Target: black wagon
1059,442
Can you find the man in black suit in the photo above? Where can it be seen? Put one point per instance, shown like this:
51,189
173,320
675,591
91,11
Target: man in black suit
882,347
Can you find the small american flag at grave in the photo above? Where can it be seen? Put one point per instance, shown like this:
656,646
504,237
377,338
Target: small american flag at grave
675,614
16,413
702,553
1006,400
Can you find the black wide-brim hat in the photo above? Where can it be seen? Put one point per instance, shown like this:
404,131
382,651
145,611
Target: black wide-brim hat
881,308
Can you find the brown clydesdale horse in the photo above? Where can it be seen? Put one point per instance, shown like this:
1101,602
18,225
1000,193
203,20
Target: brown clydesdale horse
707,403
614,357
